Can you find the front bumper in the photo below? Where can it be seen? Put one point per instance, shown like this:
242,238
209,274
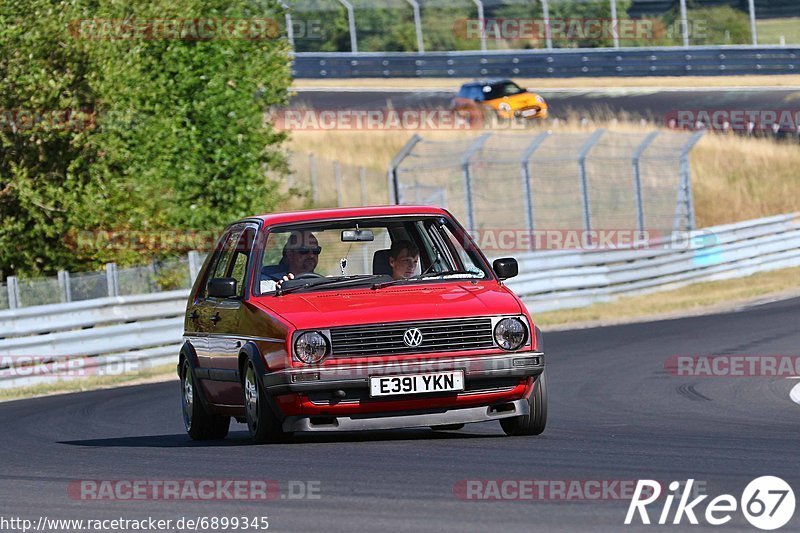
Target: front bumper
322,378
406,420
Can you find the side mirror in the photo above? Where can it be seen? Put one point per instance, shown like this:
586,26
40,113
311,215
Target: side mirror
222,287
505,267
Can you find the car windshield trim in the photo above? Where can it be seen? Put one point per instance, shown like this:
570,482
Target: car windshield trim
445,274
329,283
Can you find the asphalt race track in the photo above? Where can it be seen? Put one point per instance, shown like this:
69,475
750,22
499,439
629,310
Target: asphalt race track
652,104
615,414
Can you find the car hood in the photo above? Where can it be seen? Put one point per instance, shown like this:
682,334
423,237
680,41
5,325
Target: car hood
520,100
326,309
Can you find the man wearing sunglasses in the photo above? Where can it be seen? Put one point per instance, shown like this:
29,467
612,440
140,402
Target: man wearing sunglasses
300,256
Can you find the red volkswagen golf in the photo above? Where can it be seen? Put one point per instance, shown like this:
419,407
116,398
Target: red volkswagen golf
357,319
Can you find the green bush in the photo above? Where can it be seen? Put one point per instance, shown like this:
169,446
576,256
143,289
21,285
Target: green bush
176,137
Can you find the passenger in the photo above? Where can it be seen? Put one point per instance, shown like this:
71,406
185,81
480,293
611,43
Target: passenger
300,256
403,259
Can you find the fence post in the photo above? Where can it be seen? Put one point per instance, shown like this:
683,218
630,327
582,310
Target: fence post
64,285
685,188
587,216
417,25
614,24
194,265
482,22
351,22
526,180
548,35
637,178
337,172
289,28
465,162
395,197
112,280
684,24
753,31
13,292
362,178
312,169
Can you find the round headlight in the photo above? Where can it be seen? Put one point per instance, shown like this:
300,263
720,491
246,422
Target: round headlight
311,347
510,333
539,99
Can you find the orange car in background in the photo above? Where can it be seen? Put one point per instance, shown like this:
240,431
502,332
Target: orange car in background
503,98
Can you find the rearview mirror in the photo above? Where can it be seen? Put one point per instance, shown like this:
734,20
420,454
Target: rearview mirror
358,235
505,267
222,287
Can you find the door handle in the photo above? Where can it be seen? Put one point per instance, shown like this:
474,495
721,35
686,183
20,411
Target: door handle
192,315
216,318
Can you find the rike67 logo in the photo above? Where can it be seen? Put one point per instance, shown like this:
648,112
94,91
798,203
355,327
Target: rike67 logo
767,503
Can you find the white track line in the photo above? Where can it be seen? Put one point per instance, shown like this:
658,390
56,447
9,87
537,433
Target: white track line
588,90
795,394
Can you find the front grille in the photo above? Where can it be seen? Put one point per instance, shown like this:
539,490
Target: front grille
437,336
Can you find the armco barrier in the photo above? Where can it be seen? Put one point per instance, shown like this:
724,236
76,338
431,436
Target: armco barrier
558,63
147,329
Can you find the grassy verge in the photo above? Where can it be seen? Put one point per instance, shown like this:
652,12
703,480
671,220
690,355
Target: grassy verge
734,178
666,82
150,375
771,30
692,299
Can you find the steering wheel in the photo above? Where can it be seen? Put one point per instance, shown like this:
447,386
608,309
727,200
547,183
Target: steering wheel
308,275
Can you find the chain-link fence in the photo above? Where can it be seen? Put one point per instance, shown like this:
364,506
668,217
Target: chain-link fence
167,275
594,180
449,25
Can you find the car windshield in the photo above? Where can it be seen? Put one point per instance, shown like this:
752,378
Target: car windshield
499,90
373,252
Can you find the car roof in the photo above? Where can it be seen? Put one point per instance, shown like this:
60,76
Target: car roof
312,215
483,83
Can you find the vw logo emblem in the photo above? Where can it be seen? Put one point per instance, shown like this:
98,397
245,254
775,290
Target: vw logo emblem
412,337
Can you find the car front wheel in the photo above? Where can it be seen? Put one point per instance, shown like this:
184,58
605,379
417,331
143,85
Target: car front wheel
535,421
199,423
262,423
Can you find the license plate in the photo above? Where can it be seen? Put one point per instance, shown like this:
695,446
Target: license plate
416,383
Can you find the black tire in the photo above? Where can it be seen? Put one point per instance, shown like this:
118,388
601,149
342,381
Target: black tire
262,423
448,427
534,422
199,423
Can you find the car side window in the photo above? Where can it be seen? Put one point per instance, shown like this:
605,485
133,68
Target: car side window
241,256
222,260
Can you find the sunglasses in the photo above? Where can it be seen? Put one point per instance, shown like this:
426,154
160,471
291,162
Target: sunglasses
316,250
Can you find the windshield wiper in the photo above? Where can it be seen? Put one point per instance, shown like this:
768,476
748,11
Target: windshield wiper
328,283
422,276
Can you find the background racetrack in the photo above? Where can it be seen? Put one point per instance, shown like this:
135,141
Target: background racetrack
652,104
615,414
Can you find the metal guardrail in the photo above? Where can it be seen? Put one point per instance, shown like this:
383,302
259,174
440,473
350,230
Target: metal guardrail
557,63
146,330
565,279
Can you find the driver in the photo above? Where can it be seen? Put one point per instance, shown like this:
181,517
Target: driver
403,259
300,256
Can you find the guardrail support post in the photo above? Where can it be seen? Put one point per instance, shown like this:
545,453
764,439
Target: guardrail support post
193,258
337,174
587,216
637,178
13,292
112,280
417,25
548,36
64,286
465,162
362,179
395,195
526,181
312,169
351,22
684,25
482,22
614,23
